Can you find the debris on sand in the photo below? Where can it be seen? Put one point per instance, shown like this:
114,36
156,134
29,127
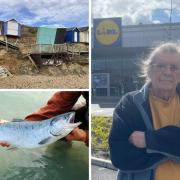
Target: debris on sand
4,72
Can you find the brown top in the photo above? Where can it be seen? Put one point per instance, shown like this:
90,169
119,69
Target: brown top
166,113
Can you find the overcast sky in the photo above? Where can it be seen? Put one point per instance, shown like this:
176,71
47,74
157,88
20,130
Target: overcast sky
137,11
67,13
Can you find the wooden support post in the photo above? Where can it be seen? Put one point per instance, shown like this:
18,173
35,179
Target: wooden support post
33,62
6,43
79,51
16,41
72,51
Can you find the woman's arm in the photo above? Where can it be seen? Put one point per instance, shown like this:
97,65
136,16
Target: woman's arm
124,155
164,140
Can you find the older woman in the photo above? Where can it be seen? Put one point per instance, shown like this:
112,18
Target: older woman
144,138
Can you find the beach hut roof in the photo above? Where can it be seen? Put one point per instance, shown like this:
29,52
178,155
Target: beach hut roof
48,26
83,28
71,29
13,20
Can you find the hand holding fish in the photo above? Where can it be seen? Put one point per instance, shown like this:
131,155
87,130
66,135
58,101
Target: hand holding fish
37,134
4,144
137,138
77,135
3,121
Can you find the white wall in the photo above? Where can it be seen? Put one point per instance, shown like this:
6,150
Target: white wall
84,36
12,28
148,35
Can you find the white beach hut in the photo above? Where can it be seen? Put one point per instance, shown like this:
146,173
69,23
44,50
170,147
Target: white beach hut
12,28
84,34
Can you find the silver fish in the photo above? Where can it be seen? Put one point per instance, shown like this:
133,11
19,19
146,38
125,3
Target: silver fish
34,134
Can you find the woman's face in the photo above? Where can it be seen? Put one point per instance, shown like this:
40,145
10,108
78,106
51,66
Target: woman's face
165,72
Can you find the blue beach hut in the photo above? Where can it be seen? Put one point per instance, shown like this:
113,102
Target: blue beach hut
72,35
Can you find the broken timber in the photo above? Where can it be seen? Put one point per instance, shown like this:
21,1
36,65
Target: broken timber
4,72
48,54
32,61
8,45
55,54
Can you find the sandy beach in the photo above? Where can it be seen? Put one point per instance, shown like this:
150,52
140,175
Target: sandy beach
26,76
41,81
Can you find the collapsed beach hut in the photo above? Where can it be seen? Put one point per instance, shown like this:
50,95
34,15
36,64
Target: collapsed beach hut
84,34
72,35
50,35
46,35
50,47
12,28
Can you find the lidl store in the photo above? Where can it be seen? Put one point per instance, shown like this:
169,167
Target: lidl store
118,50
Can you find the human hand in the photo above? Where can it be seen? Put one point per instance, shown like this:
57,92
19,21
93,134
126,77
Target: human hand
2,143
3,121
137,138
77,135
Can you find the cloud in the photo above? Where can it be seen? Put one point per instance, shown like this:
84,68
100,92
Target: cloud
134,12
33,12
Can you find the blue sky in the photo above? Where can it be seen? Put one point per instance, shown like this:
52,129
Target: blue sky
163,16
63,13
137,11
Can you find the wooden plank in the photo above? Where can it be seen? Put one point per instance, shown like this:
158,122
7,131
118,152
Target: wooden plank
6,43
33,62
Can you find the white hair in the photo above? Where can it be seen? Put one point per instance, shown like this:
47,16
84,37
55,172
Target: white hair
164,48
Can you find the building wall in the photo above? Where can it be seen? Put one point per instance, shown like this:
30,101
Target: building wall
121,72
149,35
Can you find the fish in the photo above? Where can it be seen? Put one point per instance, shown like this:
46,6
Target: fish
36,134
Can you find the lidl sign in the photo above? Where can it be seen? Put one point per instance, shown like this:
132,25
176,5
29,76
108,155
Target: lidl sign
107,32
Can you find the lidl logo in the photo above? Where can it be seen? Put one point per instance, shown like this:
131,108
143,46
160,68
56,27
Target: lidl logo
107,32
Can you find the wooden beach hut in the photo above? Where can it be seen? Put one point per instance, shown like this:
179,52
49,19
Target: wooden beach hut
60,36
12,28
46,35
72,35
84,34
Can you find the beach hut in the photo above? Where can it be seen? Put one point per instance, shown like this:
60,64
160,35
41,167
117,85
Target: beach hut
12,28
60,36
50,35
46,35
72,35
84,34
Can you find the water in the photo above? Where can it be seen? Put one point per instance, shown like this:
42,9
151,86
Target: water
59,161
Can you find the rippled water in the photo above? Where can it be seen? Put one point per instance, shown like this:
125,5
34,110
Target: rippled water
61,160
